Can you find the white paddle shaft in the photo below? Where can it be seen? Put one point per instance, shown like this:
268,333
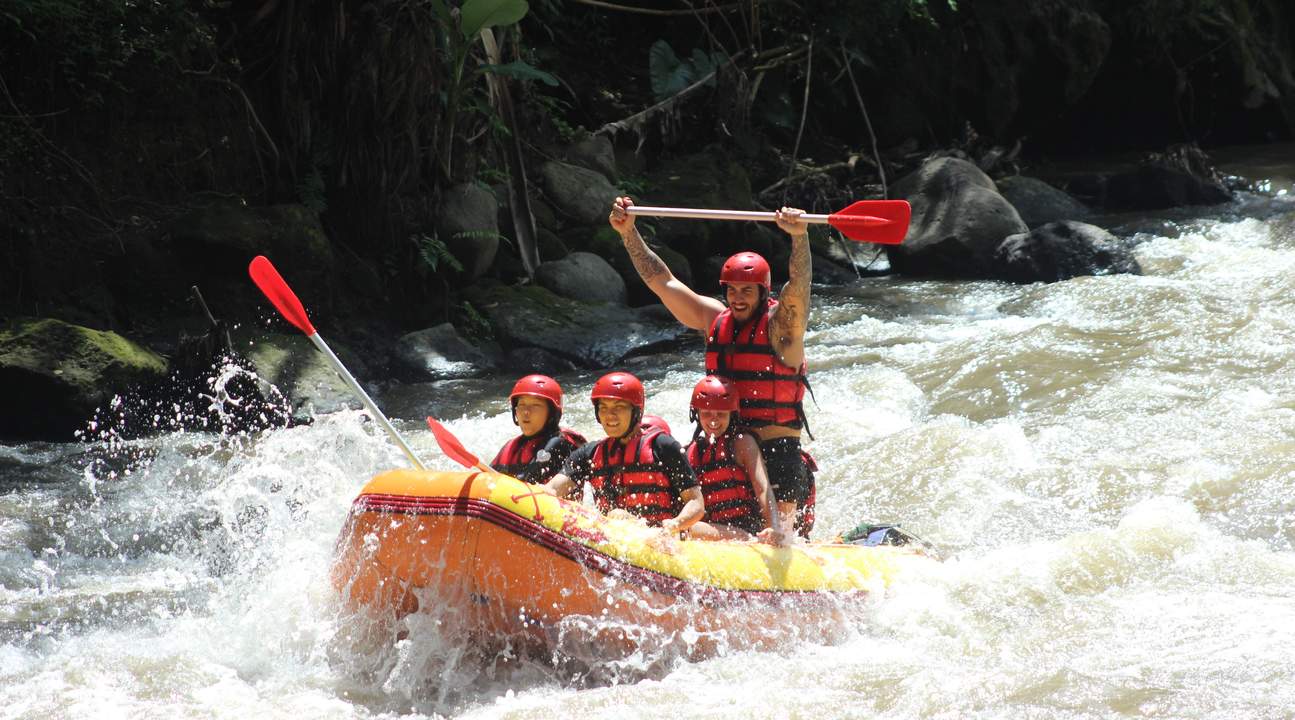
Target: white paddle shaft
350,381
705,214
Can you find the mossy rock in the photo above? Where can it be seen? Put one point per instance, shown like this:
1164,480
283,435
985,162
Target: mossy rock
300,373
58,373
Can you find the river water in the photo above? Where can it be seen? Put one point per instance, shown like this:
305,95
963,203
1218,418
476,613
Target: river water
1108,464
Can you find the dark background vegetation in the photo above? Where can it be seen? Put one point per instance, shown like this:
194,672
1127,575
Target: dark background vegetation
118,118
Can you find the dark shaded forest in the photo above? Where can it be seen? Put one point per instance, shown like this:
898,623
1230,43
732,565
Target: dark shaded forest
150,146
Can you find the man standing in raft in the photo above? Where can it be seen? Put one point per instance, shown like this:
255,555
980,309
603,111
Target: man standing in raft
756,341
538,453
641,472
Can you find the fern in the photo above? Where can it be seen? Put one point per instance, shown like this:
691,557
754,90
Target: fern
434,252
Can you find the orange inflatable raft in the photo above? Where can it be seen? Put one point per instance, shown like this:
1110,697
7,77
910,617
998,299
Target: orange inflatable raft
508,559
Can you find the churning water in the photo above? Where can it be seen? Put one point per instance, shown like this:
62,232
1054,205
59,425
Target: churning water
1108,463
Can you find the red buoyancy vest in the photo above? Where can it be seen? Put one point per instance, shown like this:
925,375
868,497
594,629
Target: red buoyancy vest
517,455
628,477
771,392
725,486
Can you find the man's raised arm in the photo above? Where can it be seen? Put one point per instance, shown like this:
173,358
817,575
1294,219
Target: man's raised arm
689,308
789,319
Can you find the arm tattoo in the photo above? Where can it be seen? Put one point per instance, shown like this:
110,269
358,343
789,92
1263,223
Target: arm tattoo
793,304
648,264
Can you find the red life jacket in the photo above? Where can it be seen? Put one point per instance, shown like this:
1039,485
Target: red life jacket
517,456
725,486
771,392
628,477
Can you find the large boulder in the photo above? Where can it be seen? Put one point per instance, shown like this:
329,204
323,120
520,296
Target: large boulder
582,276
1154,186
56,374
1181,175
301,375
468,224
602,241
596,153
1039,203
581,194
959,220
592,335
439,353
1063,250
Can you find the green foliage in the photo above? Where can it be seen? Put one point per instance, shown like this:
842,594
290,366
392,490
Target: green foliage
434,253
556,109
473,324
79,49
312,191
670,74
636,187
473,17
477,15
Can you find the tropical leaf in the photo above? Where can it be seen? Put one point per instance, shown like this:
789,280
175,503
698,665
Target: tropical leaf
668,74
477,15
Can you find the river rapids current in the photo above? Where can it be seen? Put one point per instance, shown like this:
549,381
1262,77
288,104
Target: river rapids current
1107,463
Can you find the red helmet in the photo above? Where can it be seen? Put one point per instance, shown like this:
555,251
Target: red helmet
540,386
618,386
746,267
656,422
715,393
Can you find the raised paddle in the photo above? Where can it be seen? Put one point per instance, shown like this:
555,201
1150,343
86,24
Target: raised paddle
286,302
454,449
875,221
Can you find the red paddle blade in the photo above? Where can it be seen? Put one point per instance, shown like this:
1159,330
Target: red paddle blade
876,221
285,301
450,445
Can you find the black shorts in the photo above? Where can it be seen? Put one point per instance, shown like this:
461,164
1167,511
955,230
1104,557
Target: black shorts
788,475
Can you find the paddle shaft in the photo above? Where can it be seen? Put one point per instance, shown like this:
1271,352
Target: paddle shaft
364,397
705,214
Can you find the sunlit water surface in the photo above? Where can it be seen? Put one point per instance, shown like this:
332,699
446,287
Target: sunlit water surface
1109,464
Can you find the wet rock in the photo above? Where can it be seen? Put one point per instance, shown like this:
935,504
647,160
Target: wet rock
582,276
593,335
959,220
1038,202
56,375
602,241
468,224
581,194
439,353
302,375
1063,250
